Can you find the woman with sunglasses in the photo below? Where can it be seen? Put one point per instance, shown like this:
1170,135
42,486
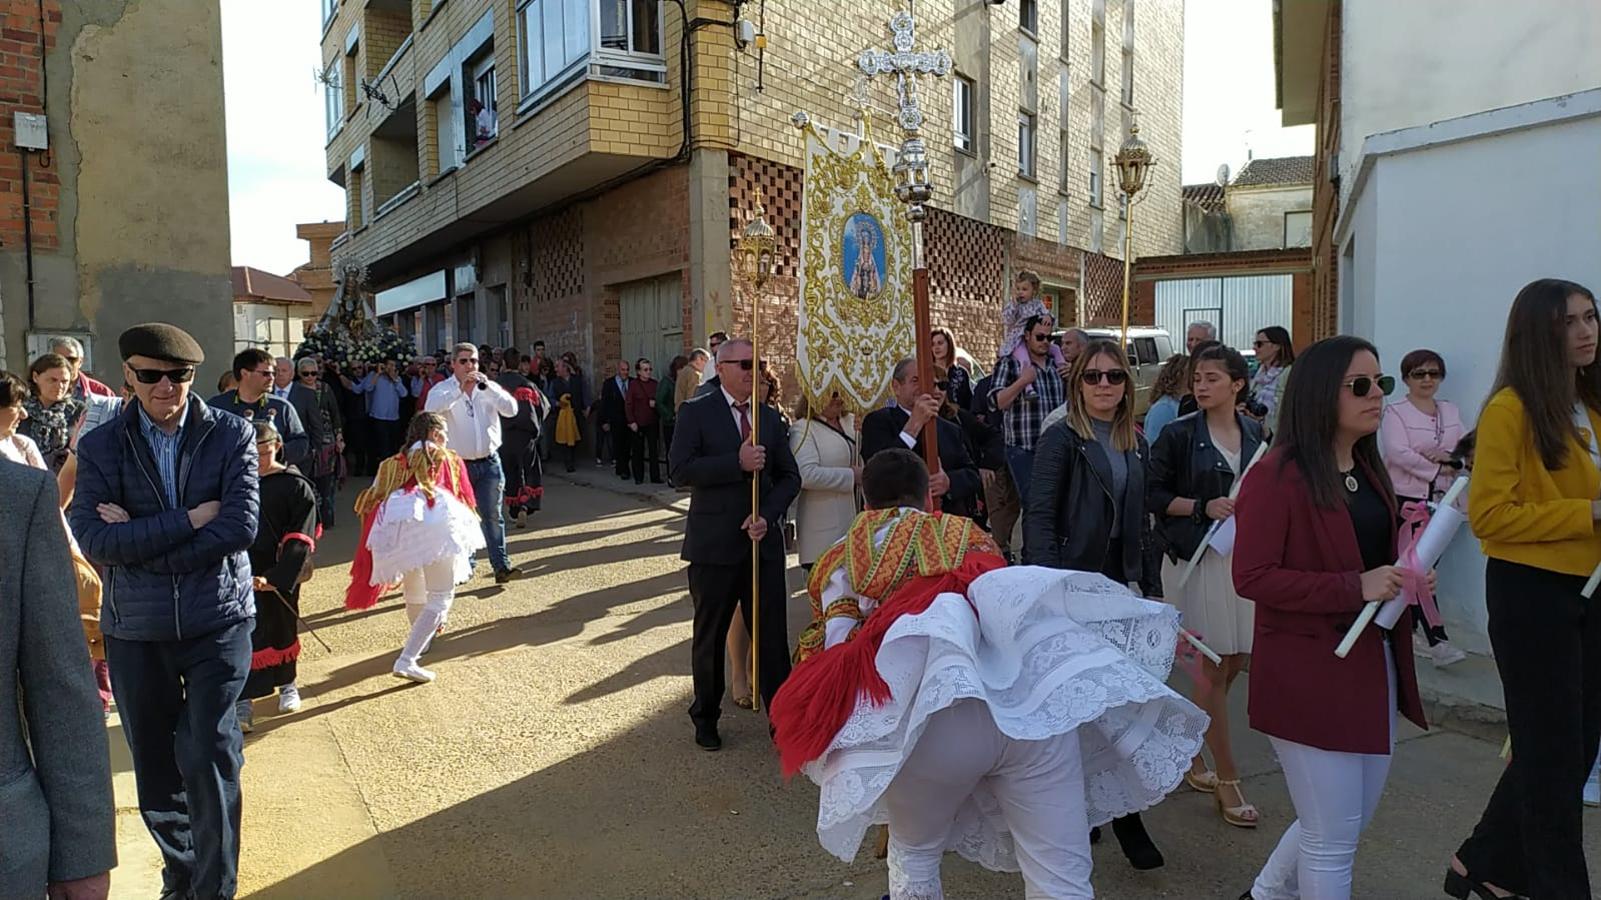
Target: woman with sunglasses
1316,522
943,345
1193,467
1274,354
1532,503
1418,436
1086,508
286,536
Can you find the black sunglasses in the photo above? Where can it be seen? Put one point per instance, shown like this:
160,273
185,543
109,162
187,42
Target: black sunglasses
154,376
1110,376
1427,373
1260,343
942,385
745,364
1361,385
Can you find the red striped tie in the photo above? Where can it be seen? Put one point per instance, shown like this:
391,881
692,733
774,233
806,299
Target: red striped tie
744,420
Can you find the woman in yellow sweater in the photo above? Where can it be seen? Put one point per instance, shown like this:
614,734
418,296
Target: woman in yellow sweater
1533,504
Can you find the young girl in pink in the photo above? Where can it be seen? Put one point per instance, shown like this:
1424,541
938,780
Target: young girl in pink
1024,306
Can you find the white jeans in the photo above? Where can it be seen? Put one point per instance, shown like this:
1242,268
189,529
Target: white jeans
428,591
1040,787
1335,795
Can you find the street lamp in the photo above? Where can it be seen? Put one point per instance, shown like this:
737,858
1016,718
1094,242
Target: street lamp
1133,163
756,247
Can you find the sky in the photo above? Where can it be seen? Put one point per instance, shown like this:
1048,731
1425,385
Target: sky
277,174
1228,88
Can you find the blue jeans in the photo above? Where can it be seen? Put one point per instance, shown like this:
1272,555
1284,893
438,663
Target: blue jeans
1021,464
177,702
489,489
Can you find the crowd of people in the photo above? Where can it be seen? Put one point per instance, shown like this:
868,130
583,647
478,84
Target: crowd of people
1086,539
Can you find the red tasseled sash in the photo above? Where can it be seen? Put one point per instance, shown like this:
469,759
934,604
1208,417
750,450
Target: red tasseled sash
818,697
271,656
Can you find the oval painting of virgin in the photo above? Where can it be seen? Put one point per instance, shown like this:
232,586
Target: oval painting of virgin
862,256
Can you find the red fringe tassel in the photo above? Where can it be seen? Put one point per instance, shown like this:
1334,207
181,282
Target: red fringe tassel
820,694
266,659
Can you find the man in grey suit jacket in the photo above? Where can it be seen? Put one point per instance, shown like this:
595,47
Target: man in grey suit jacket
55,767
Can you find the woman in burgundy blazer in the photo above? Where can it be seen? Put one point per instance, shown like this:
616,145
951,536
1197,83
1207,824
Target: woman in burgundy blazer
1316,536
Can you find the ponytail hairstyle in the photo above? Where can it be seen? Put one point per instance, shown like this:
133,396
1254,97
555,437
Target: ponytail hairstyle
423,461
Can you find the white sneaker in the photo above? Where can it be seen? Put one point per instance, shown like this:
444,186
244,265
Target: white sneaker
1420,645
288,698
1445,654
413,672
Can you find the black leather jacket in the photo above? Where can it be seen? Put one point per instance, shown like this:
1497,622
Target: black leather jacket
1068,520
1185,463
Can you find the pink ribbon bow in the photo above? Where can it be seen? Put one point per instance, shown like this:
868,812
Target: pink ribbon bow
1414,575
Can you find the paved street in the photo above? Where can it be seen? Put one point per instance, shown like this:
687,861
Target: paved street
553,757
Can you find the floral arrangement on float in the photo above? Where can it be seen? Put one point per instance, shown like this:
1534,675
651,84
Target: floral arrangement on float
349,332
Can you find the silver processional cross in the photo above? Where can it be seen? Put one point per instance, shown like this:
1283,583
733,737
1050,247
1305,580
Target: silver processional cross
911,166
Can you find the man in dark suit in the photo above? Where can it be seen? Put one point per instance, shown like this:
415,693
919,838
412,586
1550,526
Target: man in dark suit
713,456
958,482
55,798
614,418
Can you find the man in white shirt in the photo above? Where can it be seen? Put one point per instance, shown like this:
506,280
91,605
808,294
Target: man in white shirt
472,405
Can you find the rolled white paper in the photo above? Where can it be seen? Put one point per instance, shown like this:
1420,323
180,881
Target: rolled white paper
1450,520
1222,539
1216,526
1206,651
1431,546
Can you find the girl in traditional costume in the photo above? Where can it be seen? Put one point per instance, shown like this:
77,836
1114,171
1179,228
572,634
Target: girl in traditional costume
999,712
419,528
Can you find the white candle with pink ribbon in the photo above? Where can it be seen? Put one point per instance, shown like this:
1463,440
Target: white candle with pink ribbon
1423,540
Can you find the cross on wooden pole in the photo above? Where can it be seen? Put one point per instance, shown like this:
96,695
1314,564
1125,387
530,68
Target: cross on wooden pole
912,186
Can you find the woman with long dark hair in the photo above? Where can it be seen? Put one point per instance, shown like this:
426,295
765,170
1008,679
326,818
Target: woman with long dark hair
1532,503
53,413
1193,467
943,345
1274,355
1086,509
1316,523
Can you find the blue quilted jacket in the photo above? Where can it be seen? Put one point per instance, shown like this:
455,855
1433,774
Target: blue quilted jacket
163,579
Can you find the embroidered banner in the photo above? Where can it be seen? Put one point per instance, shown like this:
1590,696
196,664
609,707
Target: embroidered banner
856,315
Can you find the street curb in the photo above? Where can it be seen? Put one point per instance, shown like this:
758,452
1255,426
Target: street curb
665,498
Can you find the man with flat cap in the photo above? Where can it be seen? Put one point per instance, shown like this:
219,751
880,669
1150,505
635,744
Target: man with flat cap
167,505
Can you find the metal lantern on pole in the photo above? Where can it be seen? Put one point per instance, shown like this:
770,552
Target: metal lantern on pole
756,247
1134,162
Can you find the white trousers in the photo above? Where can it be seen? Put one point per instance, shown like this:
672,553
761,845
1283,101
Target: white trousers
428,592
1040,787
1335,795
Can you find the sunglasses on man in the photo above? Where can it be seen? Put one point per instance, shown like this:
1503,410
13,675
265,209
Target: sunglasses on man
745,364
1109,376
309,373
154,376
1362,385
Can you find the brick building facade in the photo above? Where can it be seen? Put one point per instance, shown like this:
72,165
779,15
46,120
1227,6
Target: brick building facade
114,209
601,216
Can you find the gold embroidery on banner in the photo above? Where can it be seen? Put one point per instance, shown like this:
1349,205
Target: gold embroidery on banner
848,343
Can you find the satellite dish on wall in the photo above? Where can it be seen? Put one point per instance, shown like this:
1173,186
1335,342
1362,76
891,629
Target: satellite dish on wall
1223,175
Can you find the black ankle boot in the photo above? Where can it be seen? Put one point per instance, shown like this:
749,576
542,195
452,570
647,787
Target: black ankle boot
1136,843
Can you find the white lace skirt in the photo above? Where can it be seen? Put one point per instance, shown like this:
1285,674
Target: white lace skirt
1050,652
410,533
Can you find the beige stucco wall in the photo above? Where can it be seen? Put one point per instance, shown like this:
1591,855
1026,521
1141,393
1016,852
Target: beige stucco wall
1258,214
137,140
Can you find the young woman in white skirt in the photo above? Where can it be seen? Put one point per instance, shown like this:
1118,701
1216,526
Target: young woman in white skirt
1194,464
419,529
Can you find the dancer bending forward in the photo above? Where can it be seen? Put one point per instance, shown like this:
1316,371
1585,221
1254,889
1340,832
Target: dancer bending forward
998,712
419,527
